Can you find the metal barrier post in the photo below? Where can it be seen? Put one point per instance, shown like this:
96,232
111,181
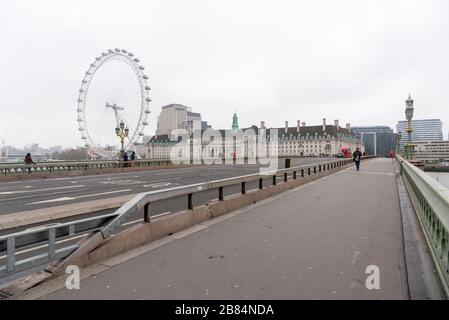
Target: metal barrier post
146,213
10,254
220,194
190,201
51,243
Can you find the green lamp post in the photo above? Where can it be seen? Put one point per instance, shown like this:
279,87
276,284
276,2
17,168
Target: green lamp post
409,147
122,132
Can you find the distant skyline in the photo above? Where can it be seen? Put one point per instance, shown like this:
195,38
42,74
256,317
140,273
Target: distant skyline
355,61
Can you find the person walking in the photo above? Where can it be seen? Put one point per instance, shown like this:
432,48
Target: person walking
357,157
125,158
392,155
28,162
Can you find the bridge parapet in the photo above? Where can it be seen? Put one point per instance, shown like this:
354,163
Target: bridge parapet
431,202
58,166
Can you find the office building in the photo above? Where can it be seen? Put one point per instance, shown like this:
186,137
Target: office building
177,116
423,130
432,151
378,140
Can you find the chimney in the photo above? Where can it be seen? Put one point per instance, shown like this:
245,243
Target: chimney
348,126
298,124
324,124
336,124
303,124
262,124
286,126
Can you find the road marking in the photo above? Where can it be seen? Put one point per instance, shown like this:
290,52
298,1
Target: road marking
122,182
131,222
77,197
163,180
103,193
35,196
38,190
51,200
159,185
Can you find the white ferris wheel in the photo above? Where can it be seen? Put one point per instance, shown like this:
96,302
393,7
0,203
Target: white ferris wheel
114,93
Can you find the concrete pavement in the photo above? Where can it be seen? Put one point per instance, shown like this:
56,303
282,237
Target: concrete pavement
314,242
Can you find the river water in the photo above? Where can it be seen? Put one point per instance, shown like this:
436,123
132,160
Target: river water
441,177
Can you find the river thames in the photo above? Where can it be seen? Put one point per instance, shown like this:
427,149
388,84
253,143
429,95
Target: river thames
441,177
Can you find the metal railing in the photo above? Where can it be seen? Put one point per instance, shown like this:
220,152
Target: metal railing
47,236
431,202
45,167
50,235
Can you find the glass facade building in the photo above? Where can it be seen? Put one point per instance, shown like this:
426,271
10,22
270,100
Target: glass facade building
423,130
378,140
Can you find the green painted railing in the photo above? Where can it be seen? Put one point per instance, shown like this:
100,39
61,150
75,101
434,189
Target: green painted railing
45,167
431,202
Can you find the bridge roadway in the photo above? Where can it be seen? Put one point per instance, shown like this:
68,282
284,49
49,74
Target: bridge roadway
27,195
313,242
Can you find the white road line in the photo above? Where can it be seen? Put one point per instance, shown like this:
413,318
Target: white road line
34,196
159,185
211,174
103,193
163,180
77,197
51,200
131,222
160,215
39,190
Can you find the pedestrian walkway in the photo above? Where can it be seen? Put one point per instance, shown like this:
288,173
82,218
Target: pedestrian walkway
314,242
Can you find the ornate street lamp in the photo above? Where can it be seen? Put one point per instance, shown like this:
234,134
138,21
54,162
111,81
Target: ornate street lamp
398,142
122,132
409,147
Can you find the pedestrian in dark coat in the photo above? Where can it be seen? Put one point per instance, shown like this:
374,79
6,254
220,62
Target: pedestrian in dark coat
357,157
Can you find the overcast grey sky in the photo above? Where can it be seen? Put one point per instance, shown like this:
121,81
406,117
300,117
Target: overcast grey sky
355,61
